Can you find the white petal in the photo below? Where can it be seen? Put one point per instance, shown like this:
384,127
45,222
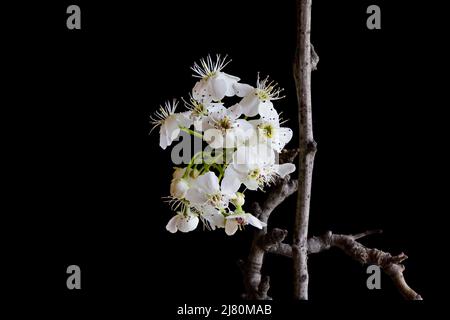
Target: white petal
284,169
172,128
219,88
208,182
200,91
268,112
163,141
235,111
230,82
196,196
214,138
285,135
172,224
250,219
216,113
231,181
245,129
251,184
188,223
231,226
243,89
250,105
214,217
184,119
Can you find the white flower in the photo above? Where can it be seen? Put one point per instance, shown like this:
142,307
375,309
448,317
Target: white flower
259,100
236,220
170,123
207,197
200,111
271,133
213,216
224,129
214,84
206,190
184,222
254,166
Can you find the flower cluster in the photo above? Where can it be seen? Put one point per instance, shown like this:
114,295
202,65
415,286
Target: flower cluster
242,143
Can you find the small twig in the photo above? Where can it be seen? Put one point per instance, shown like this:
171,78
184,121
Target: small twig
365,234
390,264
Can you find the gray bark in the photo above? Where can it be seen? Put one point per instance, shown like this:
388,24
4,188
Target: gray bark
302,74
390,264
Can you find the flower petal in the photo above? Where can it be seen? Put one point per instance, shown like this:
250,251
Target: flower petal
196,196
230,82
285,135
214,217
231,226
250,219
251,184
235,111
250,105
219,88
188,223
172,224
284,169
243,89
200,91
268,112
231,181
163,137
208,182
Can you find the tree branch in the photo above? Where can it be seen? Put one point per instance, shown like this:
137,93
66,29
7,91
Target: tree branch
390,264
256,286
303,65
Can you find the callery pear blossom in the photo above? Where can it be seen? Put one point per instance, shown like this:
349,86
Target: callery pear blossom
259,100
238,220
214,84
254,166
227,130
271,133
207,190
240,154
169,122
185,222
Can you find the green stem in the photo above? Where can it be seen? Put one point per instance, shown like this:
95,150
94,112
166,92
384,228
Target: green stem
191,163
194,133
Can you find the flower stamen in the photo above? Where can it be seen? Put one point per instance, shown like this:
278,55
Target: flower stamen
208,67
268,90
163,113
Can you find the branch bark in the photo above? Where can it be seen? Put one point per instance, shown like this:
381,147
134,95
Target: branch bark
390,264
302,74
257,286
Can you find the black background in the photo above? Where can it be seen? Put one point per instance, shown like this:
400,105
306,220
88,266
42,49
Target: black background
90,177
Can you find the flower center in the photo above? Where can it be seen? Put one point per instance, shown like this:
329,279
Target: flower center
268,90
254,174
199,109
268,130
215,199
225,123
263,95
240,221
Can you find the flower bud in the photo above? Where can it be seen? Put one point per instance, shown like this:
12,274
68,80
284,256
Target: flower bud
178,188
178,173
238,200
194,173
